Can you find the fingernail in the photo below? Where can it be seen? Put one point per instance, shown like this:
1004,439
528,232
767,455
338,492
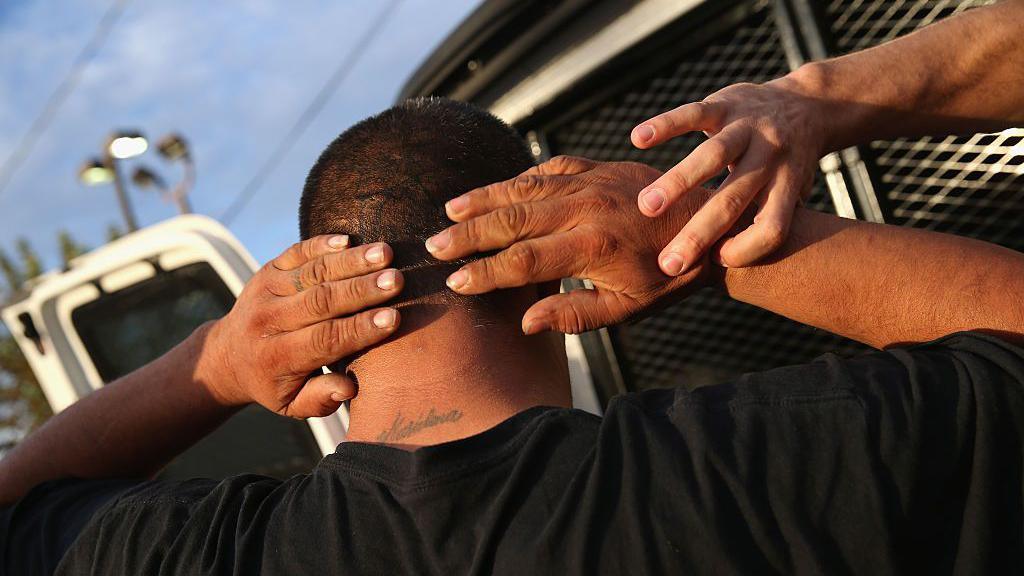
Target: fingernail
653,199
439,242
375,255
384,319
337,242
644,133
534,327
386,280
338,396
457,280
673,264
456,205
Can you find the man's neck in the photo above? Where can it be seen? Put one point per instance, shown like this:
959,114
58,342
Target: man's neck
451,378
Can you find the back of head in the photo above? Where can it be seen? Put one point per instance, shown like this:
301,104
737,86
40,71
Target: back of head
387,178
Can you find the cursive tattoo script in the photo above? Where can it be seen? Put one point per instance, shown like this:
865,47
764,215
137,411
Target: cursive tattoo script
402,428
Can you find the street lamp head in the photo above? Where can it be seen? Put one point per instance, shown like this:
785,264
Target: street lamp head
95,172
144,178
127,144
173,146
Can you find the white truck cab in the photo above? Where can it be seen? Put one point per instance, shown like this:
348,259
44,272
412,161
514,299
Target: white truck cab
123,305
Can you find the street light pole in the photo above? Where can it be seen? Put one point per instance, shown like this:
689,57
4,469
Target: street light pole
122,195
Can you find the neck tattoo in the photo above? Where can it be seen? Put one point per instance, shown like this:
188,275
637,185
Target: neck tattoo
402,428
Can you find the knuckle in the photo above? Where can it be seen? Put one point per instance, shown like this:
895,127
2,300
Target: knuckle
666,123
306,247
512,220
323,338
320,271
565,163
352,331
573,320
732,204
525,186
261,320
678,181
351,290
692,240
520,262
773,234
561,163
468,233
717,152
602,202
318,301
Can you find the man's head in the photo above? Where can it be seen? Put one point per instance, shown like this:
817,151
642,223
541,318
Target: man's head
387,178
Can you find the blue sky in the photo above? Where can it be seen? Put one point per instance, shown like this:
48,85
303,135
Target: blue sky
232,76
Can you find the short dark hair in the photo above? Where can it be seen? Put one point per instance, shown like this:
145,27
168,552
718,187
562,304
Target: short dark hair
387,178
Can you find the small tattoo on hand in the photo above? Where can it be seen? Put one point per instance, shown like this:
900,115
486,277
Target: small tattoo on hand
297,281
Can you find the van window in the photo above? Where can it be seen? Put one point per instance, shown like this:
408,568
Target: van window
126,329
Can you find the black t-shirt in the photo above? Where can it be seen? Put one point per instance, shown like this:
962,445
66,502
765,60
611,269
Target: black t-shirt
907,461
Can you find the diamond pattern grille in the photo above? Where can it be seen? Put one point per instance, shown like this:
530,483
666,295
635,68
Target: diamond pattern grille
859,24
969,185
708,337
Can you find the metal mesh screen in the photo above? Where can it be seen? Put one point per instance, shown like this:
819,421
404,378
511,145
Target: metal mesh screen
708,337
969,185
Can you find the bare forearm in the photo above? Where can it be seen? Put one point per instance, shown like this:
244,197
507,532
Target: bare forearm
960,75
885,285
130,428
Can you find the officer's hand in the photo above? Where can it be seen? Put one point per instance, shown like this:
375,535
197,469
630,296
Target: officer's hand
568,217
301,311
770,137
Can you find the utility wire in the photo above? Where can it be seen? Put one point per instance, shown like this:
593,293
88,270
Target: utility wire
308,115
60,94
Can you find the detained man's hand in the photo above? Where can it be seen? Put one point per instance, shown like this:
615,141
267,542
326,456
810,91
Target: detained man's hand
770,137
569,217
307,308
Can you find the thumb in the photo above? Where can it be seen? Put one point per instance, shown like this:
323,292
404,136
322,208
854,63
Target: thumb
570,313
321,396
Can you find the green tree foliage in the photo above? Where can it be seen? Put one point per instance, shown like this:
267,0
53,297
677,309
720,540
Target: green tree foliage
31,266
69,248
12,275
113,232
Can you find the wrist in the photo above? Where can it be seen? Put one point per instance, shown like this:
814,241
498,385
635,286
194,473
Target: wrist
213,369
830,112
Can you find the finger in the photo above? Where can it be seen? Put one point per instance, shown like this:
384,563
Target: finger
573,312
342,265
333,299
564,165
715,217
301,252
526,187
321,396
707,160
502,227
528,262
706,116
331,340
770,227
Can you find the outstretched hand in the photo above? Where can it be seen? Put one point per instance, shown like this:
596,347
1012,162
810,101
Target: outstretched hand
769,136
568,217
305,309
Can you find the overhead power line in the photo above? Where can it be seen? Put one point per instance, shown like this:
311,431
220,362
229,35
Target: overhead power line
60,94
309,114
